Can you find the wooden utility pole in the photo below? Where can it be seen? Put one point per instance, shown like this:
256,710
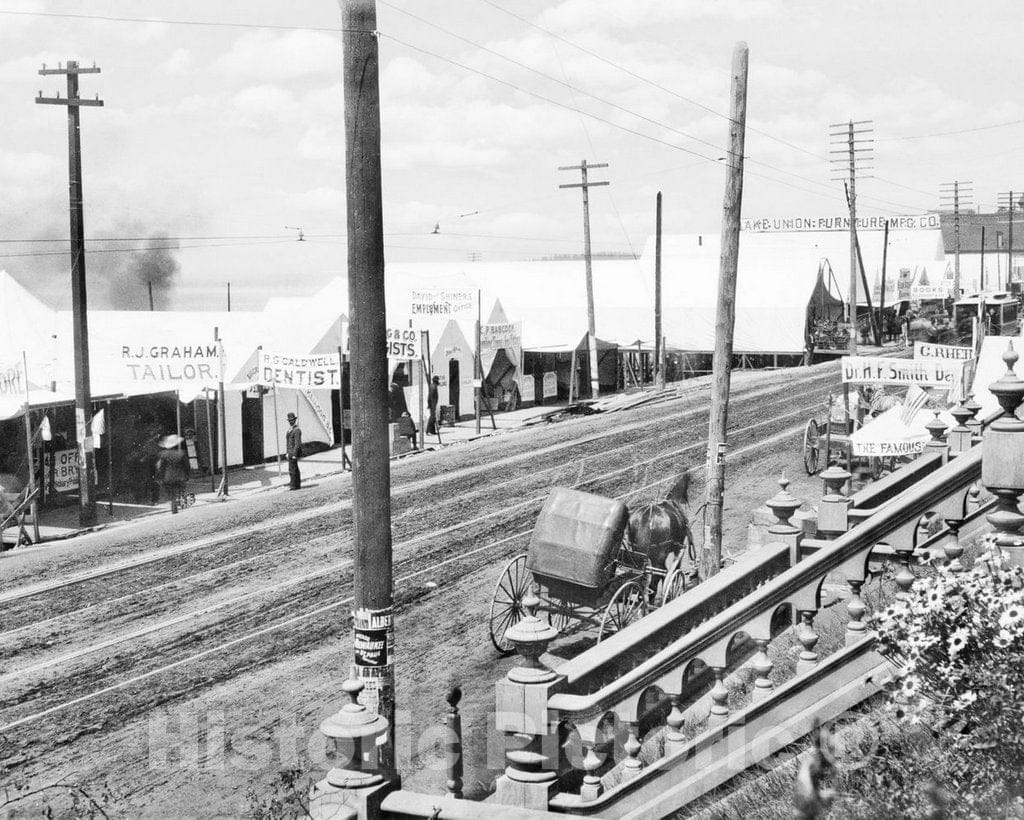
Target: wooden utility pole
885,259
725,317
229,297
953,194
659,344
222,419
848,133
150,285
80,324
373,600
584,184
981,272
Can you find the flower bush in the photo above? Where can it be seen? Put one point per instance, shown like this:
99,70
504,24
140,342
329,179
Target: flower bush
958,642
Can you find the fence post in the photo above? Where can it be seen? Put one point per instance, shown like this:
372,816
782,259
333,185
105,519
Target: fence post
453,745
974,423
522,712
937,429
834,508
960,438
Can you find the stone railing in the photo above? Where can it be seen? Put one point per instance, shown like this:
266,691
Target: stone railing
592,698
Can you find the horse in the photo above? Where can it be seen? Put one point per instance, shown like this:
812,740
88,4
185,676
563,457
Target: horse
661,529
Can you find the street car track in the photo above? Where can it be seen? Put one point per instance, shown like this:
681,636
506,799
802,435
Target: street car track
293,519
431,568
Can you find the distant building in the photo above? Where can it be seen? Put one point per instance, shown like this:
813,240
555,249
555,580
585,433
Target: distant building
997,248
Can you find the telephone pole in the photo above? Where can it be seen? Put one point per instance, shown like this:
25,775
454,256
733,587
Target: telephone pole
373,598
591,333
953,194
659,343
725,317
1006,201
80,331
848,162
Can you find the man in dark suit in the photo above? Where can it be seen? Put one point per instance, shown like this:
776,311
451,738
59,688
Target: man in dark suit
293,447
432,399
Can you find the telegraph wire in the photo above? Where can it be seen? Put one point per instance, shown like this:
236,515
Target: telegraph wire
948,133
176,22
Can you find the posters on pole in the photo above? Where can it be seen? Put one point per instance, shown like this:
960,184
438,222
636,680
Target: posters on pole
321,370
882,370
403,343
444,302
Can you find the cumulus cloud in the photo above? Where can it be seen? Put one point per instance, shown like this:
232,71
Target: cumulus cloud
271,56
179,63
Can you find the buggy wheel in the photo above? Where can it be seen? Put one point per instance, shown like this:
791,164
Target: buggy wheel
628,605
675,585
812,446
507,603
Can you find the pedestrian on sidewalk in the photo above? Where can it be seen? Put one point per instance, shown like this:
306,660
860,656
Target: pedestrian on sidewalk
172,470
293,445
432,401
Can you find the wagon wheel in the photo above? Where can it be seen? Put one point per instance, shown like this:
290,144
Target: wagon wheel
507,603
675,585
812,446
628,604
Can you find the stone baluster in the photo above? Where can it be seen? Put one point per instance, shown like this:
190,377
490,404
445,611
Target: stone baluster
904,577
783,505
855,627
591,788
973,423
1002,467
834,507
937,429
719,699
453,745
521,701
353,735
763,666
674,738
808,638
952,547
961,437
632,765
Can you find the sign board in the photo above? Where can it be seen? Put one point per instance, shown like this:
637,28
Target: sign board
140,363
507,335
550,385
303,372
928,350
919,292
840,222
527,389
65,470
892,434
448,302
882,370
403,343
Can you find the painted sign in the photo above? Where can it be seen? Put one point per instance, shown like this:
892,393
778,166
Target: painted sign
444,302
65,470
507,335
322,414
527,389
12,381
918,292
550,385
303,372
928,350
840,222
198,363
403,343
922,372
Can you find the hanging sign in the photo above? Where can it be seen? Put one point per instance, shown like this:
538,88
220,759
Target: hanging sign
444,302
550,385
928,350
881,370
403,343
304,372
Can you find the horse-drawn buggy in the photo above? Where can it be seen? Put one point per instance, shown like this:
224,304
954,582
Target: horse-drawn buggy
597,565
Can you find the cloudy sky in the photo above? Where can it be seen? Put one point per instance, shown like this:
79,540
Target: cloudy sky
223,124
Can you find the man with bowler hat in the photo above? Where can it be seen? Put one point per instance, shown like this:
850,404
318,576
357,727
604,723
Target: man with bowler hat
293,445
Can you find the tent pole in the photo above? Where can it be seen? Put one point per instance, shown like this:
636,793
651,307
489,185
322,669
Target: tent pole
277,430
572,375
222,419
209,438
110,461
422,369
28,452
177,411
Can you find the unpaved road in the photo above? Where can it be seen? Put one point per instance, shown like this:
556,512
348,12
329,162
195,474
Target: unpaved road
191,657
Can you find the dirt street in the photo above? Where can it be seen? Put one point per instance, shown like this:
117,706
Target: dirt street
173,663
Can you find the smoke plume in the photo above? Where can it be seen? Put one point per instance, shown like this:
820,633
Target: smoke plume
155,266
